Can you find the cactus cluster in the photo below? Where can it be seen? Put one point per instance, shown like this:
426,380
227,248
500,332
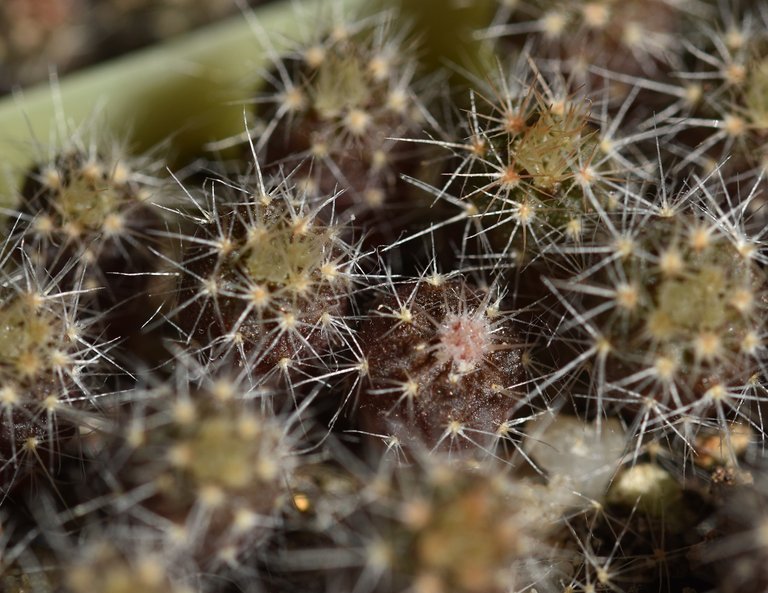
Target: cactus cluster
489,327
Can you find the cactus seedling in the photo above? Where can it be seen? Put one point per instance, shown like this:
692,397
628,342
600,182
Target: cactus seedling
347,100
670,301
214,460
531,166
588,37
443,363
440,524
729,127
448,527
90,203
267,280
50,361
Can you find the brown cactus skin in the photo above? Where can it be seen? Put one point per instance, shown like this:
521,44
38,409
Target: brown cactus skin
442,365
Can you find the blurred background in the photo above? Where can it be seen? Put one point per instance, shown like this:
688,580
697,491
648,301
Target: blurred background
70,34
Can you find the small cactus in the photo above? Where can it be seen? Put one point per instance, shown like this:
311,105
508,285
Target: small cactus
267,279
532,166
213,461
443,364
51,370
443,525
90,208
668,309
342,109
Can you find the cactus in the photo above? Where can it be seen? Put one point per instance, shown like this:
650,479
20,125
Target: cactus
669,310
90,208
52,363
440,524
457,363
213,461
267,281
366,321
